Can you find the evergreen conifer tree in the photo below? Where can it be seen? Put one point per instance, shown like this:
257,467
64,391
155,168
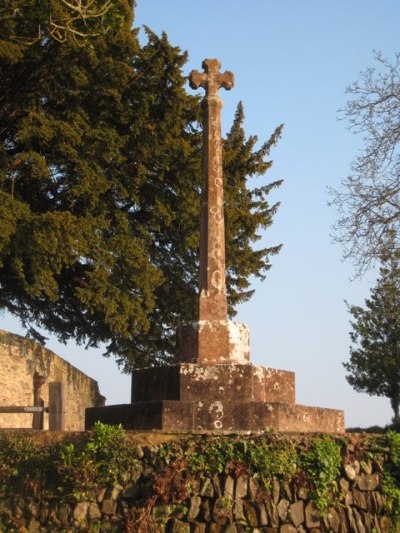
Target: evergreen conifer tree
100,149
374,365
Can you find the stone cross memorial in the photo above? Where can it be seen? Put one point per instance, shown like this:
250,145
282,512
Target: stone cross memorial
213,338
213,386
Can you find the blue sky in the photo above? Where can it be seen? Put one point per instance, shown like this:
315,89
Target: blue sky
292,61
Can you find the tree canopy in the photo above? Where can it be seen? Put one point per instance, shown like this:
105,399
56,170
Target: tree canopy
368,202
100,149
374,365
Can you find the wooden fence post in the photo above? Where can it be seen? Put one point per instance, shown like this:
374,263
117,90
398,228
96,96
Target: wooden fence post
38,382
56,406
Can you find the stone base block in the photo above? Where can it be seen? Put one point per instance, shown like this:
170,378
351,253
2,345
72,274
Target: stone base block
219,416
213,342
229,382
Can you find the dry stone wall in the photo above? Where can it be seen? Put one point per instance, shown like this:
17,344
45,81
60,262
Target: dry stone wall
19,359
166,499
223,504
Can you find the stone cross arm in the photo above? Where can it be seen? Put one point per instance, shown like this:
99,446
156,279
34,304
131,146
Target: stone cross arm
212,79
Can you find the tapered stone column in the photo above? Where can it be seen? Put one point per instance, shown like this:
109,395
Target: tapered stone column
212,285
212,338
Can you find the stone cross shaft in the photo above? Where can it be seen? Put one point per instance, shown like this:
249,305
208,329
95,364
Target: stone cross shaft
212,289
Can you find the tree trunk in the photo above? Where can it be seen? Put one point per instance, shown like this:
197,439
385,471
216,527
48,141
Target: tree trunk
395,403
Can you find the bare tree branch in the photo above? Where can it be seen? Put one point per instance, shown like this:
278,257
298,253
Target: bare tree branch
368,202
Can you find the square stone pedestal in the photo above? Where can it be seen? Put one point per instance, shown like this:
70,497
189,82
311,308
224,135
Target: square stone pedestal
213,342
220,397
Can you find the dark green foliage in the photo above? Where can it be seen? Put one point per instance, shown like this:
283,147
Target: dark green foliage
391,478
322,463
100,150
25,22
374,365
246,210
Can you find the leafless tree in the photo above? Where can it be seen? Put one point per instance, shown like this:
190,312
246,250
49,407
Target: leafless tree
368,202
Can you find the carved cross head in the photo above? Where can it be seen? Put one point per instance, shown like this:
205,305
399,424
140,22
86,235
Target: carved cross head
212,79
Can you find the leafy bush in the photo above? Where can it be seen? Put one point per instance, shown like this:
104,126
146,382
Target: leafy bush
322,463
391,478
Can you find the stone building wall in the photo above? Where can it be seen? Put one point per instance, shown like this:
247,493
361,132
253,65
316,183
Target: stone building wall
19,359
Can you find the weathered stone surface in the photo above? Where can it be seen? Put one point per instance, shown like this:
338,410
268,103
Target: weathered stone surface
80,511
283,508
333,520
178,526
360,499
229,487
262,515
222,511
344,484
288,528
366,517
273,517
20,359
312,515
218,488
296,511
212,290
34,526
348,499
350,472
174,415
94,511
109,506
116,492
250,513
366,467
376,502
200,527
287,491
64,513
254,488
238,511
227,382
276,490
302,493
213,342
230,528
358,521
162,512
207,488
386,525
343,527
194,509
216,528
367,482
101,494
241,487
351,520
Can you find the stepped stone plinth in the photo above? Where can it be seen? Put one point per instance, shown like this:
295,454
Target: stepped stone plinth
220,397
213,386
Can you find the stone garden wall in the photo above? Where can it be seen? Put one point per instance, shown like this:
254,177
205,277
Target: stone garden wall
19,359
225,504
166,496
